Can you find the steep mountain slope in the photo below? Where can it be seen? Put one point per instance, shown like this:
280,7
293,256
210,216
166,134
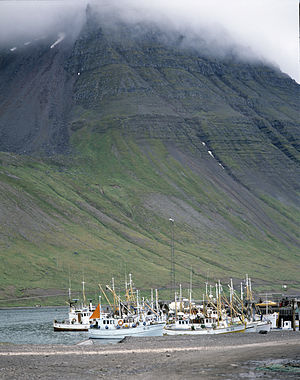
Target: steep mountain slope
138,130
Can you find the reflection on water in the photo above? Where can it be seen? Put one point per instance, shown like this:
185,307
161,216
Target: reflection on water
34,326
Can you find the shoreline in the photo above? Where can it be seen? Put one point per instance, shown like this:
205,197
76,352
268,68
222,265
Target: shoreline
232,355
31,307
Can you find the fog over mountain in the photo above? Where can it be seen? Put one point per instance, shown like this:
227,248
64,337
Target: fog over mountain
257,29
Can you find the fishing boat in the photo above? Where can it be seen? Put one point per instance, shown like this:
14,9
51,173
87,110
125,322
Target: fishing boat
258,326
113,328
188,327
78,319
78,316
127,318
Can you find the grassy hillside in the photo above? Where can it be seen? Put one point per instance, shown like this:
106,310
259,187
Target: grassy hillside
105,212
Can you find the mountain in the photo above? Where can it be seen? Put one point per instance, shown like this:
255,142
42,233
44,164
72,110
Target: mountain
105,136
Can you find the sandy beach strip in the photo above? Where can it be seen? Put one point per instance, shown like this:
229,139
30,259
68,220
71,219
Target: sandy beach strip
234,356
125,351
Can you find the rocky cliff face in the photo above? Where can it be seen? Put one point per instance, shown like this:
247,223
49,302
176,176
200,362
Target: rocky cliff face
221,124
150,85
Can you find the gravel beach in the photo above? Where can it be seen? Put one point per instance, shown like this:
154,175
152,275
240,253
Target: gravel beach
275,355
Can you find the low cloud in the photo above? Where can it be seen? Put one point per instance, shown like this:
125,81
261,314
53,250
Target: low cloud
25,20
258,29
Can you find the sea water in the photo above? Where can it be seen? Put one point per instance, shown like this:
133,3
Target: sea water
35,326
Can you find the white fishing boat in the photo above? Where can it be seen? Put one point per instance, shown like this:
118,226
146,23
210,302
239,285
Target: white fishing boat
188,327
78,316
113,328
258,326
273,319
78,319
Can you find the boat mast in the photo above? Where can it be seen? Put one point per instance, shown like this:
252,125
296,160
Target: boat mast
156,300
247,288
83,293
137,303
118,298
190,301
217,298
120,315
131,289
191,283
114,293
180,298
242,293
231,297
220,300
251,301
105,295
69,291
152,298
126,288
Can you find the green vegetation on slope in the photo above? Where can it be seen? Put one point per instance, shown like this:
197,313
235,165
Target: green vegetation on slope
104,211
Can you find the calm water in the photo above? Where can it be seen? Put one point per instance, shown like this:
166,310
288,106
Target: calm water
34,326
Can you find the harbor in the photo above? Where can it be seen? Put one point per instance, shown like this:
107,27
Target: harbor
222,310
133,313
30,347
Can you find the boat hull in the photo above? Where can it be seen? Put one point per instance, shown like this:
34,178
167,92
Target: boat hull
205,331
139,331
259,326
70,327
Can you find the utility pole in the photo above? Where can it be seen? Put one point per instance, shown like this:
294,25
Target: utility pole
172,258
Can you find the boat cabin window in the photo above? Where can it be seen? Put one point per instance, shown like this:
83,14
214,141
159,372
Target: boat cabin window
107,321
183,322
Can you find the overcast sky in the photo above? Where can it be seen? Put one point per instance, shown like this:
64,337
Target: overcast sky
269,28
